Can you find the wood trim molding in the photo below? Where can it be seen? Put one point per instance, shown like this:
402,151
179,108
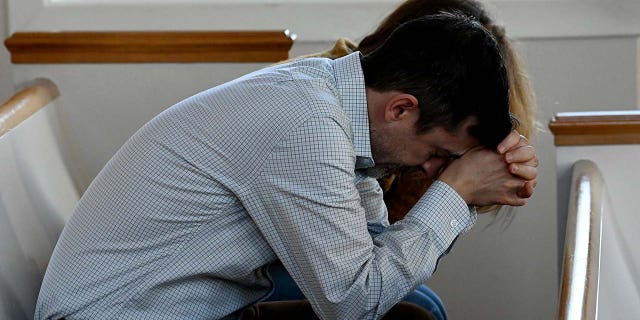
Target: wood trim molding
149,46
596,128
37,94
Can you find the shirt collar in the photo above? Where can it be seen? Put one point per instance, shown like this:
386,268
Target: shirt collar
352,90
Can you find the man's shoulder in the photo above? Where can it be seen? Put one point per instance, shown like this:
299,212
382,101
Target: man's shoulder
308,85
315,72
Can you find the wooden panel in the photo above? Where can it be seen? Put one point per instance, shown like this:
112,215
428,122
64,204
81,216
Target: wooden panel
149,46
26,102
596,128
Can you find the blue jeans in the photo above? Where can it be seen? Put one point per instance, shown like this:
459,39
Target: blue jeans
286,289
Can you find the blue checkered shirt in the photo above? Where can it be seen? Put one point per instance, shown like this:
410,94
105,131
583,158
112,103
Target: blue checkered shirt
183,220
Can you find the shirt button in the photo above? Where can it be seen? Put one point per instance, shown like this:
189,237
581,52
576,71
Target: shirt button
454,223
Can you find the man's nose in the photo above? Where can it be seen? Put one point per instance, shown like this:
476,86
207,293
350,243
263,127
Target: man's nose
434,166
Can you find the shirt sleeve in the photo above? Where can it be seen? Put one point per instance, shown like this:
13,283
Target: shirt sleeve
371,199
308,208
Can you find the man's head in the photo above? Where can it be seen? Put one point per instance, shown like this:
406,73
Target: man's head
441,71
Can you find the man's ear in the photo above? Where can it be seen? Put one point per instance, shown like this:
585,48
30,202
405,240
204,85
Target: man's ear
401,106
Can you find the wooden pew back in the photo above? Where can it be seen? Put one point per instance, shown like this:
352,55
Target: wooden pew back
37,195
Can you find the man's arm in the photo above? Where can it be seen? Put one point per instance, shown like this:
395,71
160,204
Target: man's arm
307,207
371,199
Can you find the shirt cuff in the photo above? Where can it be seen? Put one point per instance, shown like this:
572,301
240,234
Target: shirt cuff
443,211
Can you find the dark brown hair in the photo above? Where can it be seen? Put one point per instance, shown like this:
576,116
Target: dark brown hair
404,191
453,66
520,94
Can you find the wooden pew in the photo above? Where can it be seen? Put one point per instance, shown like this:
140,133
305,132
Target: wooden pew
581,263
37,194
597,159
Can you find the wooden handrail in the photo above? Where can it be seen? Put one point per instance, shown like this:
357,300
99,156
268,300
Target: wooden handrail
149,46
596,128
26,102
580,271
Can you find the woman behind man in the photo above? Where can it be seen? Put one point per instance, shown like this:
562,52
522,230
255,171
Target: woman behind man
403,189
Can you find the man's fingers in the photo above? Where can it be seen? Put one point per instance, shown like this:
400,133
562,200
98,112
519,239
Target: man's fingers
521,194
513,139
525,153
513,200
527,189
493,184
523,171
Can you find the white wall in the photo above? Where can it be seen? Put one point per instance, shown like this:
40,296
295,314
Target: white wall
6,81
619,290
101,105
317,20
581,56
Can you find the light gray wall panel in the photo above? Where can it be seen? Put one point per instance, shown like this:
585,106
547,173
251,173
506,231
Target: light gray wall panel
508,267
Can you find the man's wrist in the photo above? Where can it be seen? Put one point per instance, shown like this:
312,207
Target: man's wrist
458,188
442,206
